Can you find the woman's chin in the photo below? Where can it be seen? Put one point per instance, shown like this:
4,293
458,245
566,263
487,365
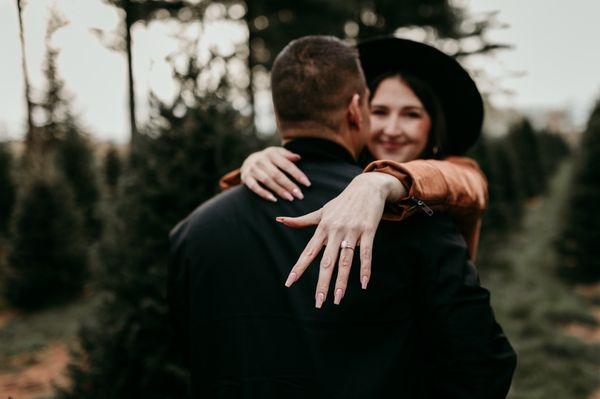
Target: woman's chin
397,155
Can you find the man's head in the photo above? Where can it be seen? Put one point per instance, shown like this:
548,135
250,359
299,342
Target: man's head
319,90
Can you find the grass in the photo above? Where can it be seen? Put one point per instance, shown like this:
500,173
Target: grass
532,302
24,333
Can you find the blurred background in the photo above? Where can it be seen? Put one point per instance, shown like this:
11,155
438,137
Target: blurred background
117,118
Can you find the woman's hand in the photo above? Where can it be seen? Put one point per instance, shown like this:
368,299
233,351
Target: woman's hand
265,169
348,221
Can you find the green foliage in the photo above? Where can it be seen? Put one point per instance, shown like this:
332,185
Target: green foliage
553,149
581,234
532,303
522,141
273,24
505,199
7,188
175,167
74,158
47,260
112,168
511,164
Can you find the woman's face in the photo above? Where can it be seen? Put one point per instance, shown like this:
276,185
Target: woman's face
400,124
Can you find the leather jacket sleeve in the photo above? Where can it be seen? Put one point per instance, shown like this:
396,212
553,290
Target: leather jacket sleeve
455,185
231,179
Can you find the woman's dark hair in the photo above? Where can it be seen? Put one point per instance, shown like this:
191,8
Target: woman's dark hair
436,142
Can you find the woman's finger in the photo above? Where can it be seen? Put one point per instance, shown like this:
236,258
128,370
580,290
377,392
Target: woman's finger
328,262
291,169
366,246
253,185
266,180
292,156
312,249
310,219
348,246
283,180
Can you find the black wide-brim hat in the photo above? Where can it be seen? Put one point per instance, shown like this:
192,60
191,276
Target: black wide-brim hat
460,99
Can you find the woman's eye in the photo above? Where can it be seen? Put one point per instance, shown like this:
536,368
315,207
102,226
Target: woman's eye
414,115
378,112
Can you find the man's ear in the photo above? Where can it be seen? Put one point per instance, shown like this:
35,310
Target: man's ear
354,112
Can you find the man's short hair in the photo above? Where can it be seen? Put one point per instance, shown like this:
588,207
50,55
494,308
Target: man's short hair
313,80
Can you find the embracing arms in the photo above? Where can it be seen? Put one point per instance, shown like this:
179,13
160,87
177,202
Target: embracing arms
455,185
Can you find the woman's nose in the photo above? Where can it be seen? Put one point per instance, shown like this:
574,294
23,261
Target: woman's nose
392,127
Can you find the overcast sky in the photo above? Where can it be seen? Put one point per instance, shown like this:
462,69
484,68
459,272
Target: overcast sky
555,61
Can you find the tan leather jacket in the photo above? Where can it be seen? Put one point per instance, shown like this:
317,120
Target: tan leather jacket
456,185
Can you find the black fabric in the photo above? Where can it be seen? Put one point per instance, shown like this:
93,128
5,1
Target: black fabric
423,329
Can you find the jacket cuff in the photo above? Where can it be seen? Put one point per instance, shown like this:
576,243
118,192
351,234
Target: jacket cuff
231,179
401,209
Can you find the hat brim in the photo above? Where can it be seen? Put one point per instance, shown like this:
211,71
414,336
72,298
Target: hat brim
460,99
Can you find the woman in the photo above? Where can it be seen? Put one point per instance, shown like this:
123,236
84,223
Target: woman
424,108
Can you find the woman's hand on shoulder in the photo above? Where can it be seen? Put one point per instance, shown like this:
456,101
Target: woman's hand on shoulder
268,172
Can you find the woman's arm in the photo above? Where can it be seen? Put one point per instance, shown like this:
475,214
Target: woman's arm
456,185
351,219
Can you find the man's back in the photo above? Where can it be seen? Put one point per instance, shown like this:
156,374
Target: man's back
251,337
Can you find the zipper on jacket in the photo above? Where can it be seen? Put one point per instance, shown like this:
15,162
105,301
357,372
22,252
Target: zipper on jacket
421,204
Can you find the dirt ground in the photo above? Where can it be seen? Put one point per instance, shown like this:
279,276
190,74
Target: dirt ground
32,375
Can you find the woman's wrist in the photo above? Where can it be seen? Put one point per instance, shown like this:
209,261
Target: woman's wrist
388,187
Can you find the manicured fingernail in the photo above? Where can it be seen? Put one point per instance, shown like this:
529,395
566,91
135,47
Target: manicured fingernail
290,280
280,219
339,294
288,196
272,198
319,300
306,182
365,281
298,193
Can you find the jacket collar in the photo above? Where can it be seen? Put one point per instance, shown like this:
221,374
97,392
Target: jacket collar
319,149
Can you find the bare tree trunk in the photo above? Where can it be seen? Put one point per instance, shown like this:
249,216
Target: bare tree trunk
29,137
128,26
251,63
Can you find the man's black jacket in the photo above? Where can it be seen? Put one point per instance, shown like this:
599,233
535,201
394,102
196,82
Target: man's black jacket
424,328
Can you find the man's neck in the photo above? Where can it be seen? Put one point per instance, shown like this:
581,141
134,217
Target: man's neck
320,133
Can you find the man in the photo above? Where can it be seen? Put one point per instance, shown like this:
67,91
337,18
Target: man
423,329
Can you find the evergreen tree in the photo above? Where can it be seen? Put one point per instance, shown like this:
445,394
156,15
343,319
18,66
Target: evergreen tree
553,149
523,142
75,160
498,163
579,241
47,257
173,170
7,188
62,139
112,168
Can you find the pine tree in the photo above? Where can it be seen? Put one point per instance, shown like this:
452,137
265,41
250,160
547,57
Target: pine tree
112,168
47,257
579,241
173,170
553,149
523,143
7,188
75,159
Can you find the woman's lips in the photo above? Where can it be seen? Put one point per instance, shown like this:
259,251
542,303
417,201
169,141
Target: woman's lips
391,145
